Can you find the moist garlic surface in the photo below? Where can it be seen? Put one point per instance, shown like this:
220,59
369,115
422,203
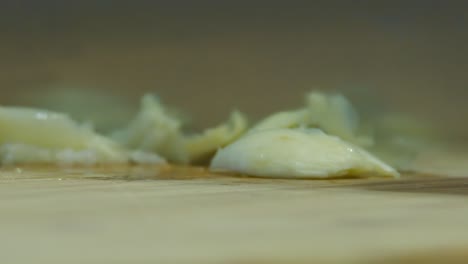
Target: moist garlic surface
30,135
322,139
292,153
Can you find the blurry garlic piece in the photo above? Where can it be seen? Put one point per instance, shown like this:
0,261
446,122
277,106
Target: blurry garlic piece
287,119
105,110
402,138
34,135
203,146
332,113
297,153
155,130
335,115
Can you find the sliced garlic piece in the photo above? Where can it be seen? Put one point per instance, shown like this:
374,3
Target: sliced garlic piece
332,113
155,130
286,119
297,153
204,145
34,135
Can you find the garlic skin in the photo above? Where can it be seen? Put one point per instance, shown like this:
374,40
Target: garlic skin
298,153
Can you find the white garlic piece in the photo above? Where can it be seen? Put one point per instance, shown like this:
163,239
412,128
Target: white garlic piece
30,135
298,153
203,145
155,130
332,113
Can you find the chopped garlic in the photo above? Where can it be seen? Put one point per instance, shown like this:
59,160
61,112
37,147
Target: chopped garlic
39,136
292,144
292,153
204,145
33,135
155,130
334,114
286,119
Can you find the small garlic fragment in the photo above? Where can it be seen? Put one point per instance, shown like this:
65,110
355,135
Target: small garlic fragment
33,135
156,130
332,113
298,153
204,145
286,119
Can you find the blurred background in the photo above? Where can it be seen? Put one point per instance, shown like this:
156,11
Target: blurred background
208,57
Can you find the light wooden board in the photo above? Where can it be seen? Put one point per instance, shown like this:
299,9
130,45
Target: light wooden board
186,215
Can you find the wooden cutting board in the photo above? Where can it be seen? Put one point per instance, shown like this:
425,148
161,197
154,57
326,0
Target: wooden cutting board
186,215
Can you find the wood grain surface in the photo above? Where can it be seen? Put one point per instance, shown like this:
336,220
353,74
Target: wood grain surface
186,215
